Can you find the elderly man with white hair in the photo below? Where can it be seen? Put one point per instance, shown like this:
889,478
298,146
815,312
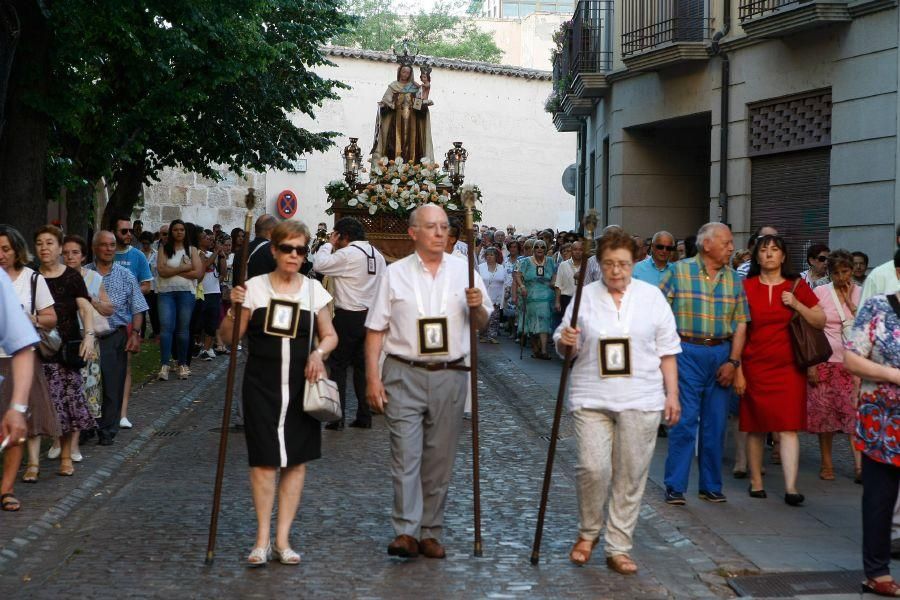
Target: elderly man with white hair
419,318
657,264
711,313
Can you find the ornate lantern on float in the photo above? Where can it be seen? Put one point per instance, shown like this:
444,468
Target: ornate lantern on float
455,164
351,156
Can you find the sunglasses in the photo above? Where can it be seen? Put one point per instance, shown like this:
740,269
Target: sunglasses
822,258
288,249
664,247
124,231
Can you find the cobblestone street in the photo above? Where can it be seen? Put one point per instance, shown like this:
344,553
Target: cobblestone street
133,521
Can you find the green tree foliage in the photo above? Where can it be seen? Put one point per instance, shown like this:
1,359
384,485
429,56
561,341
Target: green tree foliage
440,32
137,87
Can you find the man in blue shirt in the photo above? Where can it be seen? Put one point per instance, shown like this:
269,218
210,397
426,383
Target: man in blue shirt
125,294
652,268
130,257
17,337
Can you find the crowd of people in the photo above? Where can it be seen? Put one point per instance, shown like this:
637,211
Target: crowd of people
674,337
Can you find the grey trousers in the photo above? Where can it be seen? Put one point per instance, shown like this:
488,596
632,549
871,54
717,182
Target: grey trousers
614,451
424,416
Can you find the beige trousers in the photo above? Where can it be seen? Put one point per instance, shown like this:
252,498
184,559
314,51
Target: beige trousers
614,450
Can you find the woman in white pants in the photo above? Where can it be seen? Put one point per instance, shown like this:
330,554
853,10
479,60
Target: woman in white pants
623,381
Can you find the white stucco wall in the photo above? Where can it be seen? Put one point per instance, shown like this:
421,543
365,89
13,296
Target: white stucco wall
515,154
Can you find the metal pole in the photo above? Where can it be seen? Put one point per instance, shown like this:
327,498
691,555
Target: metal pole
590,222
237,278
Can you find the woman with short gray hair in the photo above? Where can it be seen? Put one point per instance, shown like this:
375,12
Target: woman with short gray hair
494,276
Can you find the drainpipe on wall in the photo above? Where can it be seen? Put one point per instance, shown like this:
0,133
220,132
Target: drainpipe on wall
724,109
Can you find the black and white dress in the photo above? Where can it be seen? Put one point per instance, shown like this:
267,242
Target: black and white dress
278,432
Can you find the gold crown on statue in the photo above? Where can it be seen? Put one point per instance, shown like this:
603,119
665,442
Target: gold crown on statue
407,59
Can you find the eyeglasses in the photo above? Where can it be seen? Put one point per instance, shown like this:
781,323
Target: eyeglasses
664,247
610,265
822,258
288,249
124,231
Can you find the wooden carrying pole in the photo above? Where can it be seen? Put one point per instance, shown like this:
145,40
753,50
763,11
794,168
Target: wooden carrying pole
238,272
590,223
469,201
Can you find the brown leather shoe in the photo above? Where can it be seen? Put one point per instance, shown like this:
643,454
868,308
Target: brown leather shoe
404,546
621,564
431,548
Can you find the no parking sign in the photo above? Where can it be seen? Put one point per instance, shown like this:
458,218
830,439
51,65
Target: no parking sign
286,205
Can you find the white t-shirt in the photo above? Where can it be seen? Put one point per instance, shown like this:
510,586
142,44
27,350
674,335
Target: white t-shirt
650,325
565,278
22,285
211,278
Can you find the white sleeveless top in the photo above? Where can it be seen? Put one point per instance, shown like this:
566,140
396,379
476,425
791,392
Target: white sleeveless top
176,283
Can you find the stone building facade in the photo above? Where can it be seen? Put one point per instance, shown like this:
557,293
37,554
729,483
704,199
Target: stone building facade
808,90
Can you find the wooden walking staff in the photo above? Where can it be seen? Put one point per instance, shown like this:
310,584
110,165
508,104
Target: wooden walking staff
237,278
590,223
468,198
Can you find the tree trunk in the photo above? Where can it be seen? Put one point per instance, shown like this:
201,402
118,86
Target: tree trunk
25,137
80,210
129,187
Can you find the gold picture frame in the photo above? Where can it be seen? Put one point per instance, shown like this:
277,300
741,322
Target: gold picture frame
282,318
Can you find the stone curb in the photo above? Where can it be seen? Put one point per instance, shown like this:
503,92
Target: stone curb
104,471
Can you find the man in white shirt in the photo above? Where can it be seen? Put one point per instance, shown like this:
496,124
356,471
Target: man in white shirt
420,320
354,266
567,276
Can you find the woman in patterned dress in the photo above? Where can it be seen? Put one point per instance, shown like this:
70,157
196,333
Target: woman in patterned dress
873,353
280,436
831,391
536,276
71,301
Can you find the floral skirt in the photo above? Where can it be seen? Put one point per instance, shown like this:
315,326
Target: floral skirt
831,405
93,389
41,416
67,395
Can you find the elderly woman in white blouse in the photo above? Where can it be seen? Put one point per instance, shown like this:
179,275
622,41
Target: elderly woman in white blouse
624,380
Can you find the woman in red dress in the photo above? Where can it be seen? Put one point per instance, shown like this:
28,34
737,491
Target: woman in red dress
774,388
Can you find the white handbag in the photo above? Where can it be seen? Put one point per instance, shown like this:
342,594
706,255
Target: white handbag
321,399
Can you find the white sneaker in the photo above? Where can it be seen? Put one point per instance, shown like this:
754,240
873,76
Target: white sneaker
163,373
208,355
53,452
124,423
183,372
77,457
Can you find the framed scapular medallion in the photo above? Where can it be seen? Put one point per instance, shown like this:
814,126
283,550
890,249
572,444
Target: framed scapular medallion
433,336
615,357
282,318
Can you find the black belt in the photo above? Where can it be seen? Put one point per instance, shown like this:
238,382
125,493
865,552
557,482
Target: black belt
113,331
705,341
453,365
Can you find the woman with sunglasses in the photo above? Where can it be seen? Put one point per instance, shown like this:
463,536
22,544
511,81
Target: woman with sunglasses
817,260
179,266
536,279
275,315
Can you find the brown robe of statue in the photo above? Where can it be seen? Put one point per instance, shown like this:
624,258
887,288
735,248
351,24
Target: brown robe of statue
403,124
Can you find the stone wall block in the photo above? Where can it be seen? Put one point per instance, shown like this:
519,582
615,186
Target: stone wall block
218,197
170,213
197,196
178,195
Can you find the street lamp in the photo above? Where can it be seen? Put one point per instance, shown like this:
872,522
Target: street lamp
351,155
456,164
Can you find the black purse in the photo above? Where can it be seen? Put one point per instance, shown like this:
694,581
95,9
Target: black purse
70,355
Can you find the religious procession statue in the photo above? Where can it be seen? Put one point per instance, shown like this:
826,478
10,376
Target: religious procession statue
403,122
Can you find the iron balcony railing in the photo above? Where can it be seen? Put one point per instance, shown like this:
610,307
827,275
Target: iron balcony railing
591,49
647,24
750,9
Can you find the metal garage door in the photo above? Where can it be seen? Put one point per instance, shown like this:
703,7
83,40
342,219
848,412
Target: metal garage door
790,192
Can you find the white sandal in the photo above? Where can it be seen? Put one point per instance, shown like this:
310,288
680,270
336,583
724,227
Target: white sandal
259,556
286,556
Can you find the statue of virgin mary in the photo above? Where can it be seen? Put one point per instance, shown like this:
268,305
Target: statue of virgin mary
403,124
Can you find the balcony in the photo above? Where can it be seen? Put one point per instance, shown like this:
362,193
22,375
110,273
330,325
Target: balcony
777,18
591,49
664,33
